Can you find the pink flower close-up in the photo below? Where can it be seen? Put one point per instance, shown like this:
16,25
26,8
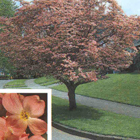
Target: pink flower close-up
24,112
2,110
1,95
35,137
6,131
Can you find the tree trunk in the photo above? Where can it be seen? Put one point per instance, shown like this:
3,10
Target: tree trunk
72,100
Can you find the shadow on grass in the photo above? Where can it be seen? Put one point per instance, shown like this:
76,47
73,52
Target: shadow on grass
62,113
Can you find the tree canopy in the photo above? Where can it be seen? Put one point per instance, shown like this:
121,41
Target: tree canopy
73,40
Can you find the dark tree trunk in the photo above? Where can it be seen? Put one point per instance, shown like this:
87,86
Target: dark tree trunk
71,86
71,95
72,100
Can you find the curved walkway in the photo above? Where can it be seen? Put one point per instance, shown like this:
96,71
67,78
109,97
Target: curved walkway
56,134
3,82
119,108
132,111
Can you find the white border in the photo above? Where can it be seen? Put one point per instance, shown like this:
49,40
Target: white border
49,115
49,99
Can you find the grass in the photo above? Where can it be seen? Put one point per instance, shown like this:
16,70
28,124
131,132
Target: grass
16,84
94,120
45,81
124,88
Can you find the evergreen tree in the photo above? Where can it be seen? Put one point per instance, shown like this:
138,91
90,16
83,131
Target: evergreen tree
7,8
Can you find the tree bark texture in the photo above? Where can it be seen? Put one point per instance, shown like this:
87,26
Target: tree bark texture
71,95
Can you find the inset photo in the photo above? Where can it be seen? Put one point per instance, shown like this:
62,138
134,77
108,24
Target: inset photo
25,114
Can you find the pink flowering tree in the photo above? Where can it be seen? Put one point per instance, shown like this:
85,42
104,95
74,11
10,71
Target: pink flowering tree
75,41
22,111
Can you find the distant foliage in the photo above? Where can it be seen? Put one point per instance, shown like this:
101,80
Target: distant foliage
7,8
137,61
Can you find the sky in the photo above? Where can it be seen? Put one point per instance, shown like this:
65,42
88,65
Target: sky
130,7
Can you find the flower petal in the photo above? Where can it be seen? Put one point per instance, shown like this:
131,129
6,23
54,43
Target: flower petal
16,125
8,114
12,103
1,135
21,97
37,126
1,95
12,137
34,106
24,137
36,137
3,125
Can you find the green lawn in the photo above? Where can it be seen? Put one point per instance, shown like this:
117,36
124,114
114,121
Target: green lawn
123,88
16,84
45,81
94,120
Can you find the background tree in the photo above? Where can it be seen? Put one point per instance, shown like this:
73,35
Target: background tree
7,9
136,64
75,41
5,66
137,61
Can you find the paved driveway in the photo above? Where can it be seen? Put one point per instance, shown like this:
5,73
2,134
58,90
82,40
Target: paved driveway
3,82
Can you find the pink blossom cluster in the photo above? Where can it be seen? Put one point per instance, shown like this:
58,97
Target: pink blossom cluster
21,112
